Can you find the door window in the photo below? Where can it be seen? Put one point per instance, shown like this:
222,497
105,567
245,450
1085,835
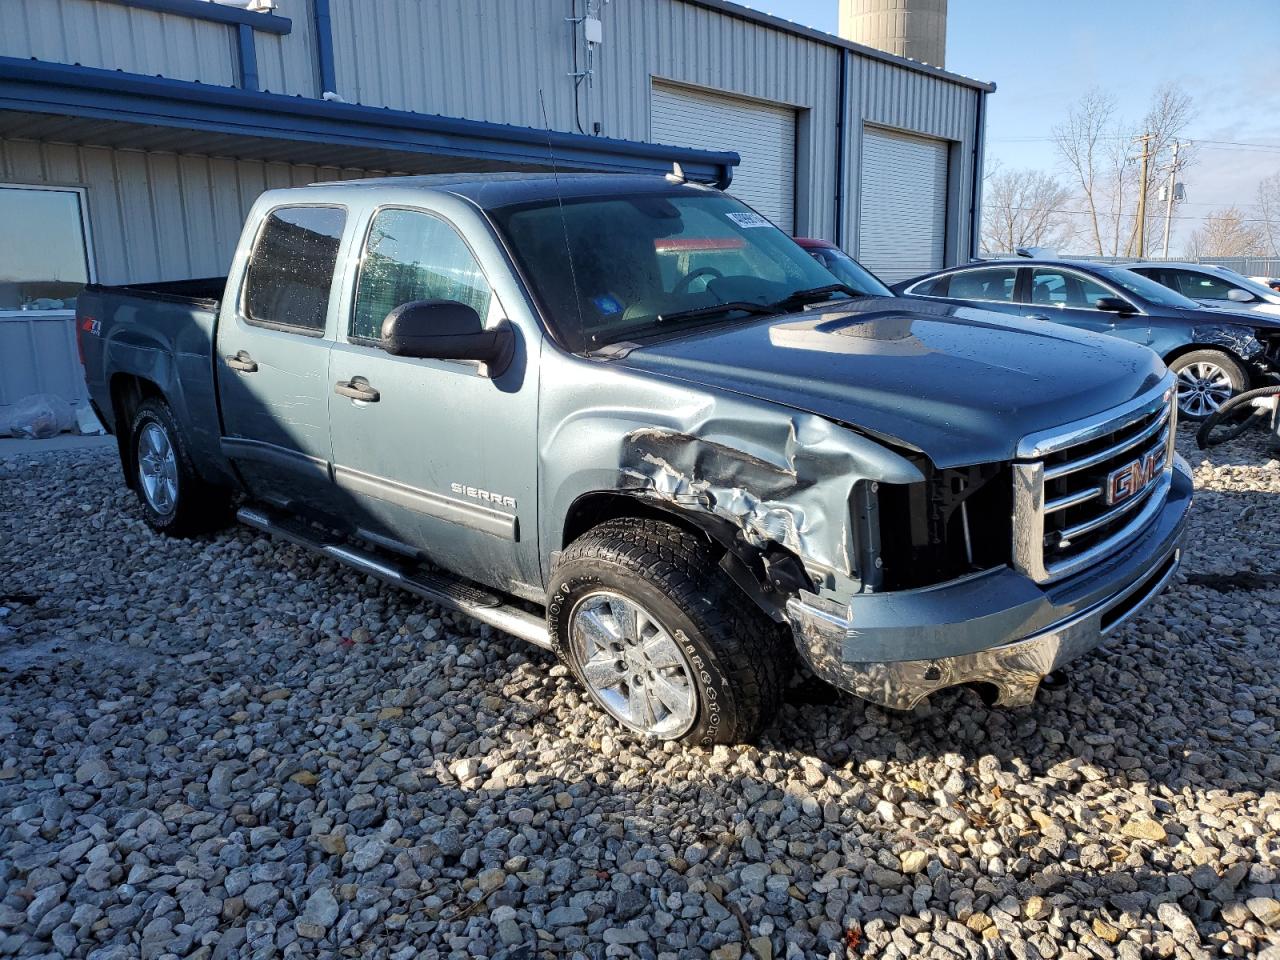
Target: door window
1199,286
44,261
291,269
410,255
989,283
1061,288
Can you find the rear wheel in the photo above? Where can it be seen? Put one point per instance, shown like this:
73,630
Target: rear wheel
1206,380
662,639
174,499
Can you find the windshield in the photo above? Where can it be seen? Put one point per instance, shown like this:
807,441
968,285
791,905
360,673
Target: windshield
649,264
1148,289
847,270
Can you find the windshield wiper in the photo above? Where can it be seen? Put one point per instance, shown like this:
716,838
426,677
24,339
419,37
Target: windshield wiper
712,309
813,295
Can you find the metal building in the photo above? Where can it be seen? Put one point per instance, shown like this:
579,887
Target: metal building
134,134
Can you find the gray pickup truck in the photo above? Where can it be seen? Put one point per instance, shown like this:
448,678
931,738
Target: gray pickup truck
629,420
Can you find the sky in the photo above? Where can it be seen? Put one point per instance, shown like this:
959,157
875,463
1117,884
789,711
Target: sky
1044,55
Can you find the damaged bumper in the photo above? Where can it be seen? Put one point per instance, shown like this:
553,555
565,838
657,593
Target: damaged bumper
997,627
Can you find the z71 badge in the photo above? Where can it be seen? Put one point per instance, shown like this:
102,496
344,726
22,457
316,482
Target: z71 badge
475,493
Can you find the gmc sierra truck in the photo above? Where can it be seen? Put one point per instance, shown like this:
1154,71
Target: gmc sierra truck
629,420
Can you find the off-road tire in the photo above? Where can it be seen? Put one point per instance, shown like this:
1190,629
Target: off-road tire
198,507
741,660
1231,366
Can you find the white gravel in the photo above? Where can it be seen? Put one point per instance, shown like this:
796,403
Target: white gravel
226,748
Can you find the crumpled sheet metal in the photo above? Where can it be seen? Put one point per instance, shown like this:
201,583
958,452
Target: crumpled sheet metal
1239,340
785,480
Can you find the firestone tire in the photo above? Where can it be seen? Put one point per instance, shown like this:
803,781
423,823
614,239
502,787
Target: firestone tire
736,661
175,500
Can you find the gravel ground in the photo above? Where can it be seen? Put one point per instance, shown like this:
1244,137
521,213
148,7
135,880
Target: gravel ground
226,747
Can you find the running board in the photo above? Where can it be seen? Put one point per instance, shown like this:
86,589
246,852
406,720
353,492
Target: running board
449,593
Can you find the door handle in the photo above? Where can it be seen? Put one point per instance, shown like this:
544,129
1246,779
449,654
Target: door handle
1039,316
243,362
357,388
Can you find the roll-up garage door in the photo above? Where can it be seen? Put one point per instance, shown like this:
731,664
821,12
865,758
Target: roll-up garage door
902,223
763,134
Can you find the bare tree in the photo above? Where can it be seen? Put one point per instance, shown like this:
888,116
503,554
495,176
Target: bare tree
1098,150
1227,233
1024,208
1081,140
1269,211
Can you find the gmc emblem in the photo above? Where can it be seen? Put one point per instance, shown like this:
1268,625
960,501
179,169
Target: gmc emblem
1132,478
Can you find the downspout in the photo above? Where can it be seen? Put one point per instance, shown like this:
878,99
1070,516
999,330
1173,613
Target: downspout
842,147
979,157
324,46
248,57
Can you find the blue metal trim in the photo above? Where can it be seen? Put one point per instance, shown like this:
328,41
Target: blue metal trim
324,47
216,12
34,86
248,57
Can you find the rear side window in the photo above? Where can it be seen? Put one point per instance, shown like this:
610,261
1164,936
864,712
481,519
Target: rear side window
991,283
291,269
410,256
937,287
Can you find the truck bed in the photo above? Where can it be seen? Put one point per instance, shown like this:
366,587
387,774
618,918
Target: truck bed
201,290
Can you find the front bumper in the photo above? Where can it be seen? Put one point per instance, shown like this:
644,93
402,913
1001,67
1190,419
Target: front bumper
997,627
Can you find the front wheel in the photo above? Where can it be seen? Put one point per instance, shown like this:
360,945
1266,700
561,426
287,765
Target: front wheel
661,639
1206,380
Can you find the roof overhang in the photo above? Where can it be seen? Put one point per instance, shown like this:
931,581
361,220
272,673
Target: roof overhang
71,103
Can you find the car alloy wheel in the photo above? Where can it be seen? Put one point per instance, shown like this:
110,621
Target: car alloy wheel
633,666
158,469
1203,387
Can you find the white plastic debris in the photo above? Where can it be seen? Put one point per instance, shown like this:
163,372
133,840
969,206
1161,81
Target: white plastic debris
40,416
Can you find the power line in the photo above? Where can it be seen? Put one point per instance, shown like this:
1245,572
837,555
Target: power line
1109,215
1194,140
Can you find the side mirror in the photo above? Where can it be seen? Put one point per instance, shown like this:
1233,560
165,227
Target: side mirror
1236,295
445,330
1114,305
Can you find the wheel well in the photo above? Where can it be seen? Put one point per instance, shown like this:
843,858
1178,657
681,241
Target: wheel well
1183,350
593,509
766,576
128,391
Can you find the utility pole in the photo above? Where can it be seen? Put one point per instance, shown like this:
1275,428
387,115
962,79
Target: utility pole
1168,200
1140,227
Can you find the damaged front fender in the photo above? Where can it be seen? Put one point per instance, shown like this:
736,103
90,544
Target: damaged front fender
1238,340
787,481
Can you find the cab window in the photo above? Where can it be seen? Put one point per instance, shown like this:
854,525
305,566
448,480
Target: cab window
411,255
291,269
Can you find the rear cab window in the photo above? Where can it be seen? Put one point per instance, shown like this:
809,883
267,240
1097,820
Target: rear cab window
291,270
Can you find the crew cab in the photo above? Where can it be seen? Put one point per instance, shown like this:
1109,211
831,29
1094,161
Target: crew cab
627,419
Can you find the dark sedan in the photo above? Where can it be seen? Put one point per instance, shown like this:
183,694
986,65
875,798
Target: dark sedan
1214,354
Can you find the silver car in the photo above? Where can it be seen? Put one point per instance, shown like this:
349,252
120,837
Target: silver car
1213,286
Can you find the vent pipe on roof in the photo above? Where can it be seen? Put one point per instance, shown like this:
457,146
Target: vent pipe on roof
906,28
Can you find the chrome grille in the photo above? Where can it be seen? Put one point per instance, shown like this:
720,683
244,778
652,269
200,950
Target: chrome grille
1083,491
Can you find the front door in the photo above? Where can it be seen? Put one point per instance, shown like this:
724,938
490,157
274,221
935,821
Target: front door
435,454
273,358
1065,296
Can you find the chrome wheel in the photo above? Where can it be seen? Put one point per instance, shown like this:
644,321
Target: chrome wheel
632,665
157,469
1203,387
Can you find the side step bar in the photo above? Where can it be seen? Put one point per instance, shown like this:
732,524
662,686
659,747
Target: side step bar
451,594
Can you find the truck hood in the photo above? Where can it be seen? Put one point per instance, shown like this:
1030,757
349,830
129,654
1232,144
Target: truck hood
959,384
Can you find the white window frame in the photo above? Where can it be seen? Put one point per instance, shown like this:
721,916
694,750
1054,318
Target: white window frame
82,198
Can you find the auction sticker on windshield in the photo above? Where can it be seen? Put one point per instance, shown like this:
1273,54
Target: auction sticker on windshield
747,218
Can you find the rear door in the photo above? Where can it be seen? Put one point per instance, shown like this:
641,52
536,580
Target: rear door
441,459
273,345
1066,296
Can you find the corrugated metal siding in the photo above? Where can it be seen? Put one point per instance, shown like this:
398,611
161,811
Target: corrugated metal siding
287,63
38,355
117,37
887,95
152,216
490,60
